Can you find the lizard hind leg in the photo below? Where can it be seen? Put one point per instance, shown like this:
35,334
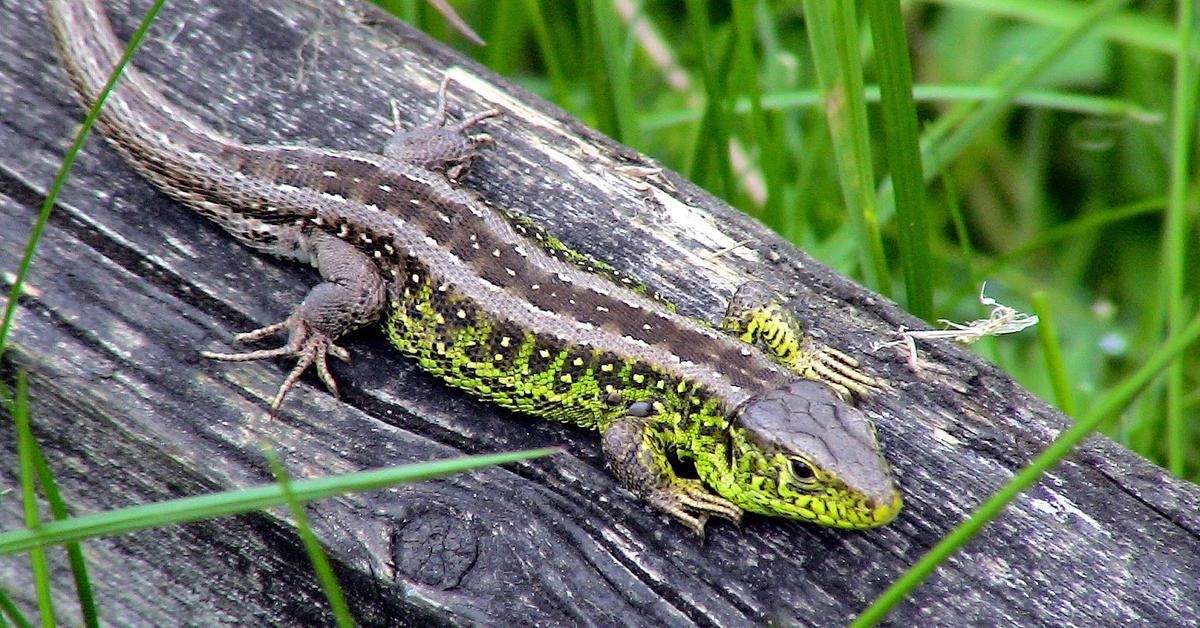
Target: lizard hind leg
436,145
637,454
352,296
757,315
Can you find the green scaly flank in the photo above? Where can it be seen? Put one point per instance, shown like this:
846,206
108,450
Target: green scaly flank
550,379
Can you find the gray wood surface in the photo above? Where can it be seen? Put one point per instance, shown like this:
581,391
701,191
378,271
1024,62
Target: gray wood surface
128,286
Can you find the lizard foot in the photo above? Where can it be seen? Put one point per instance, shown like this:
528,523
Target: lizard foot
634,449
689,502
840,371
437,145
757,315
306,343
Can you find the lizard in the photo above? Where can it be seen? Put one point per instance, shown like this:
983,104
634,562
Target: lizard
490,303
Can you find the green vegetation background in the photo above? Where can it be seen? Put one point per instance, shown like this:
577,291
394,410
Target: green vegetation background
1051,153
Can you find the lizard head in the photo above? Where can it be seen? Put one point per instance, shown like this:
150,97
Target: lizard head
800,451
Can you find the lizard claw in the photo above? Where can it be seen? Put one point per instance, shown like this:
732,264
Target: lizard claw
306,343
838,370
691,504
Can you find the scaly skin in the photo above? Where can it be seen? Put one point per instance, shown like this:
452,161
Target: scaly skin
563,382
493,305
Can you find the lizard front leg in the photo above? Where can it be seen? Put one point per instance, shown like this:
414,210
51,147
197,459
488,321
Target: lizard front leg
352,296
757,314
636,450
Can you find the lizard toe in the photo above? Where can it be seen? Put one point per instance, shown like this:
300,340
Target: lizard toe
308,344
689,502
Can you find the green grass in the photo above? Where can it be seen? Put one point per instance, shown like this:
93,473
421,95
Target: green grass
1052,154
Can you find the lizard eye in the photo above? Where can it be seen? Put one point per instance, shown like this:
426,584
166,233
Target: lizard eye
802,471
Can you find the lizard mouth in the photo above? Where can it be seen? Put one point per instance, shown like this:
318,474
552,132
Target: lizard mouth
885,512
875,512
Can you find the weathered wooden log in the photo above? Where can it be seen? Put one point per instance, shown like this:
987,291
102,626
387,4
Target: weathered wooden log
129,285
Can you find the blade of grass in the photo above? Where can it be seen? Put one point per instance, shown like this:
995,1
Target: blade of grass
1056,370
711,167
58,508
1176,231
1116,400
29,501
903,153
962,234
611,73
1135,29
787,100
200,507
79,571
31,458
316,555
549,52
833,37
770,145
10,610
506,36
591,65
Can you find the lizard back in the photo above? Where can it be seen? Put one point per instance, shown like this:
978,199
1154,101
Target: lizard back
475,301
